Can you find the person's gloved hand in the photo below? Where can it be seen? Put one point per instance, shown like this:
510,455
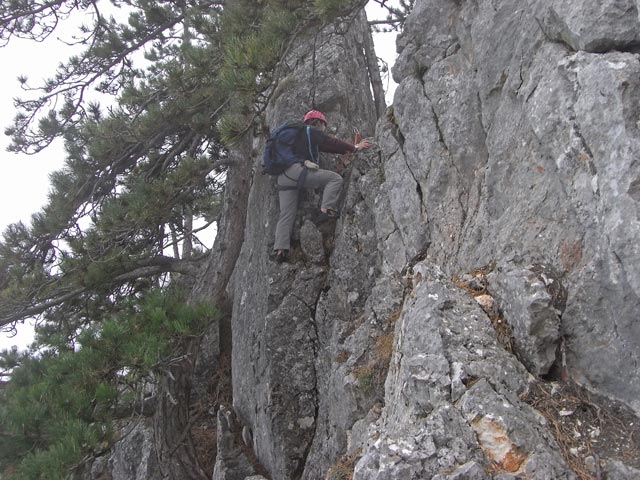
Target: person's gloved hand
363,145
310,165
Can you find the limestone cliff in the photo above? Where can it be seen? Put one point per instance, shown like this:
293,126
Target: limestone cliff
484,269
510,150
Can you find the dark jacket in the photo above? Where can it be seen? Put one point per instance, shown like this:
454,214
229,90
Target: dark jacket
320,141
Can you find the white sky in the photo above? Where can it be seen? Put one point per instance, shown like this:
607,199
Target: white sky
24,179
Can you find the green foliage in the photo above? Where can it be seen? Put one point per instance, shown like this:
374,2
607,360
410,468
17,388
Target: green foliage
137,174
254,41
365,377
231,127
59,405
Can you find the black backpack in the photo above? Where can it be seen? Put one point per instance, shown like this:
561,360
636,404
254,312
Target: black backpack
278,152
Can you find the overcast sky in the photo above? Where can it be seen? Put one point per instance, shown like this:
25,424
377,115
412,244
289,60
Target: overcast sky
23,178
24,181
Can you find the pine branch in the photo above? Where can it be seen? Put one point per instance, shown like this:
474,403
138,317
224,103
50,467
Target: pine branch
392,22
150,267
42,20
390,9
37,309
72,83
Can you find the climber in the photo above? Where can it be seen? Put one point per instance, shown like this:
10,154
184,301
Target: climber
306,173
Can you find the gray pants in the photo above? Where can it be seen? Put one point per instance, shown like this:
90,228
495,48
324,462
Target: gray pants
332,183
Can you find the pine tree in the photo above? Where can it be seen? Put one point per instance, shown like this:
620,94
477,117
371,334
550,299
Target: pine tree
60,405
100,265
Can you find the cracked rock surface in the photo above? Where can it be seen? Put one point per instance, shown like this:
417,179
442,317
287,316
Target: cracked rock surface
513,140
509,159
432,425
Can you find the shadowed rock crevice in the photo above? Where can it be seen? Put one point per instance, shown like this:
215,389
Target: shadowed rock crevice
396,132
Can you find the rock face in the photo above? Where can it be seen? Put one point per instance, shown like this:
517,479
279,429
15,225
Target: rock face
533,300
516,124
279,345
512,141
452,396
231,462
509,158
132,457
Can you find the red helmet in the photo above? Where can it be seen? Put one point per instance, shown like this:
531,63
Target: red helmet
314,115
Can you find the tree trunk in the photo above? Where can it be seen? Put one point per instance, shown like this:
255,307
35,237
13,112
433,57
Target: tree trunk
211,284
187,243
173,420
172,423
374,74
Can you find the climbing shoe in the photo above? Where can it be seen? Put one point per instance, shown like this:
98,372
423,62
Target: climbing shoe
281,255
328,216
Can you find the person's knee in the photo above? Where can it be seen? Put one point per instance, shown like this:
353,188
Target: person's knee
337,179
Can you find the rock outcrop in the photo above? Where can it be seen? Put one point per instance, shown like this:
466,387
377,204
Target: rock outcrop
511,142
452,397
279,346
509,158
132,457
516,123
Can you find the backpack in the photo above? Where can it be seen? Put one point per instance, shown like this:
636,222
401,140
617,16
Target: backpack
278,152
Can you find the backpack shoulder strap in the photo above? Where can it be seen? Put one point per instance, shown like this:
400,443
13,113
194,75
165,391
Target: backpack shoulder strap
314,153
311,155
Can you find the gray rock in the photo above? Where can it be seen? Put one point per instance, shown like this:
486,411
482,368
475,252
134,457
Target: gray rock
504,143
98,469
468,471
311,243
512,435
231,462
514,138
616,470
131,458
593,26
352,316
280,385
509,141
422,433
279,321
532,300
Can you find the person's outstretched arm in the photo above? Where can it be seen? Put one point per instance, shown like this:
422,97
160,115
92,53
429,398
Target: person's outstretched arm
328,144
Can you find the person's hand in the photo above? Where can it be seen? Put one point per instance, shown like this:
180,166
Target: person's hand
363,145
